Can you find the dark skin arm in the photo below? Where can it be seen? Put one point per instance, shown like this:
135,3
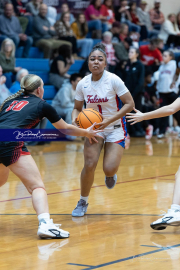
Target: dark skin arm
128,102
78,105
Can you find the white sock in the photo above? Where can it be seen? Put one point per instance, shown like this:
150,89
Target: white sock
84,198
45,216
175,207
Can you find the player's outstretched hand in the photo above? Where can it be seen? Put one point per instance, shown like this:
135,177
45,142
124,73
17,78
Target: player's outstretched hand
91,134
135,117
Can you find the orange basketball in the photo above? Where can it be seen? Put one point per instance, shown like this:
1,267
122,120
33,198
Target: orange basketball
88,117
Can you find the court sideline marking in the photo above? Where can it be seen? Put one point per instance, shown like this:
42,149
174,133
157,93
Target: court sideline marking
125,259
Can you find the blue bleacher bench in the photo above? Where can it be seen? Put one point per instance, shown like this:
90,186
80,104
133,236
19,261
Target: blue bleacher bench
33,63
44,75
34,52
41,67
49,92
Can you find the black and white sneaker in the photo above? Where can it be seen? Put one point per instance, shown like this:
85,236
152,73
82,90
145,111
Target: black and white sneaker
51,230
171,218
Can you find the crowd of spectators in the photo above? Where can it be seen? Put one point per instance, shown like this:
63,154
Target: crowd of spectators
139,46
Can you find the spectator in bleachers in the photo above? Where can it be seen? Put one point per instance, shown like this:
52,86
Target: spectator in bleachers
65,8
60,66
150,103
134,80
122,49
122,15
156,16
116,30
2,5
110,52
44,33
4,92
124,31
168,88
33,7
16,85
170,32
19,7
64,31
10,27
160,45
7,60
135,20
144,18
121,52
97,23
51,15
23,15
108,10
178,20
63,101
80,29
151,55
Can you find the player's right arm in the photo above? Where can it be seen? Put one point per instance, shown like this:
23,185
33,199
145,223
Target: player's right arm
46,110
78,105
79,102
161,112
75,131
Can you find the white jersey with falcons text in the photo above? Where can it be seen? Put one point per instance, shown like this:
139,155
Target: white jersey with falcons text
103,95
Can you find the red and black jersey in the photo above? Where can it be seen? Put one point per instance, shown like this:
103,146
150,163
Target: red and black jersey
25,112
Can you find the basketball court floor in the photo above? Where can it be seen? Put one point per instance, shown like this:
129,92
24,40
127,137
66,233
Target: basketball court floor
115,233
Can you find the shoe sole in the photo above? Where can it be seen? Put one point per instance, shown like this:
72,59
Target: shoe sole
162,226
46,236
115,181
76,215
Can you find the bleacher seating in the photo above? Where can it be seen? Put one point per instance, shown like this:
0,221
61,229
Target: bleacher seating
49,92
33,53
41,67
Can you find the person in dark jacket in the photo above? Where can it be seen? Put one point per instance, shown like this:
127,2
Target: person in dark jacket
134,81
44,34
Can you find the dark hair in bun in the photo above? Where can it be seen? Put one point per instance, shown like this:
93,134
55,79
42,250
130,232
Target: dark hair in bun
99,47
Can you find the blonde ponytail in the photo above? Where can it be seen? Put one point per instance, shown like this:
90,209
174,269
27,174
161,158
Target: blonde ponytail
12,97
29,84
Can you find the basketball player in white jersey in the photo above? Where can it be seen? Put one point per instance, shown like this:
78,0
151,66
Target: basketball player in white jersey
105,92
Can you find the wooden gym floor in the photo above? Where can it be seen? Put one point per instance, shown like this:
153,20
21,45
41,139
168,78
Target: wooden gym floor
115,234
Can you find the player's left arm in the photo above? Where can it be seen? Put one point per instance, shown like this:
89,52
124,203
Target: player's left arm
128,102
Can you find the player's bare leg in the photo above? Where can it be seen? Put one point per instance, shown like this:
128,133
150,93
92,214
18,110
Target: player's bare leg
26,169
4,173
91,157
172,217
112,157
176,195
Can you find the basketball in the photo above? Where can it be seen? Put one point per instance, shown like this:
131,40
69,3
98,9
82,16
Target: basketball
88,117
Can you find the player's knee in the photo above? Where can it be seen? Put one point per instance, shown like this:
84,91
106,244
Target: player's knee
34,187
109,170
90,164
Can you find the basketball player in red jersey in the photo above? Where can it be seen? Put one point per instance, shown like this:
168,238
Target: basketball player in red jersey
24,110
107,93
